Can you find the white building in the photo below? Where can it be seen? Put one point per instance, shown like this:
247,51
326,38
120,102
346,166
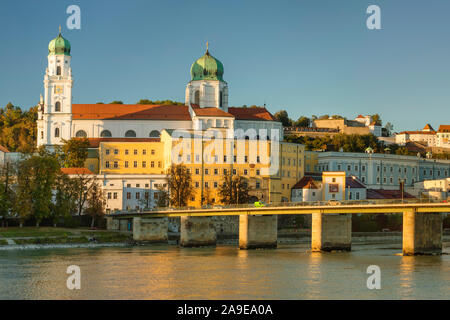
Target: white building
328,186
206,106
443,136
437,189
374,128
384,171
426,136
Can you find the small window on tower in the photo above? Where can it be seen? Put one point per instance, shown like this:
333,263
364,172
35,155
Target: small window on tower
56,132
58,106
58,71
197,97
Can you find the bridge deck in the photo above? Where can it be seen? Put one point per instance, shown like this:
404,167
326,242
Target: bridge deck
278,210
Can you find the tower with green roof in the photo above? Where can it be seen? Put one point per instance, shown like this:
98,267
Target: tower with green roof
207,88
55,114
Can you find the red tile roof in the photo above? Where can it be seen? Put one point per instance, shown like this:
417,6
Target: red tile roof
76,171
95,142
418,132
387,194
252,113
428,127
129,112
444,128
353,182
307,183
210,112
3,149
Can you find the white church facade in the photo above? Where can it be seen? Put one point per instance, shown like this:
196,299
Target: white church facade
206,106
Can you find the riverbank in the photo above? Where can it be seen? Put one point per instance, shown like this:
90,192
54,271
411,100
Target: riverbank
29,238
49,237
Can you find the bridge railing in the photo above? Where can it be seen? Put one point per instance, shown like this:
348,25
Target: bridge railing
368,202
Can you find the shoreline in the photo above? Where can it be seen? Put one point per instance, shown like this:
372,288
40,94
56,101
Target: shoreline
365,238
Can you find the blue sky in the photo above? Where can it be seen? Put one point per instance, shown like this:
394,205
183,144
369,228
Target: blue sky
308,57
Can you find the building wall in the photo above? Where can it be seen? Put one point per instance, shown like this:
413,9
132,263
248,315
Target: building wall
131,158
383,171
333,186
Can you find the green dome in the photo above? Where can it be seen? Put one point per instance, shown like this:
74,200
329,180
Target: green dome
59,45
207,68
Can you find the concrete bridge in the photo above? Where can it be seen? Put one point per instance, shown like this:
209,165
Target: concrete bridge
330,229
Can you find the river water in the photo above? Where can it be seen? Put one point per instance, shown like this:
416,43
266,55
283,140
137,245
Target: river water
224,272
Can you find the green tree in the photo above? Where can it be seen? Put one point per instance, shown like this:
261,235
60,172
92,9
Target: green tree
18,129
302,122
283,117
7,173
36,180
377,119
163,197
234,189
95,203
64,202
179,180
73,153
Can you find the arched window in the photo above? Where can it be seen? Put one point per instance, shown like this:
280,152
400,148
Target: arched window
58,71
58,106
81,134
197,97
130,134
220,99
105,134
155,134
56,132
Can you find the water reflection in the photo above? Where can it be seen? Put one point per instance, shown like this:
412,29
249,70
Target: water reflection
313,275
168,272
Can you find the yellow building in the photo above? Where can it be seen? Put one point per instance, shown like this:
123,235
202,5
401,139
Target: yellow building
208,160
311,161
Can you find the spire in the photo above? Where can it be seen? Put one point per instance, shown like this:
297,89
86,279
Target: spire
59,29
207,47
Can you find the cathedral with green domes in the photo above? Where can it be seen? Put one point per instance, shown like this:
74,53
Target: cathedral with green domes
206,106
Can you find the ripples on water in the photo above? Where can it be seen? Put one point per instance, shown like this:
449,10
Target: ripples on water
225,272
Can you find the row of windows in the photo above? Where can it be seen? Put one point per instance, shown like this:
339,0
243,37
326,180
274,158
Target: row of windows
215,184
108,134
137,195
157,185
215,159
289,161
438,173
127,152
115,164
225,171
350,195
391,180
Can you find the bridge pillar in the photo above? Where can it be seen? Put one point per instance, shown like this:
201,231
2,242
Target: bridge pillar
197,232
422,233
258,231
331,232
111,223
151,229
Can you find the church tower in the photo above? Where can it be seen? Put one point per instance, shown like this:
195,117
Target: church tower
207,89
55,108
